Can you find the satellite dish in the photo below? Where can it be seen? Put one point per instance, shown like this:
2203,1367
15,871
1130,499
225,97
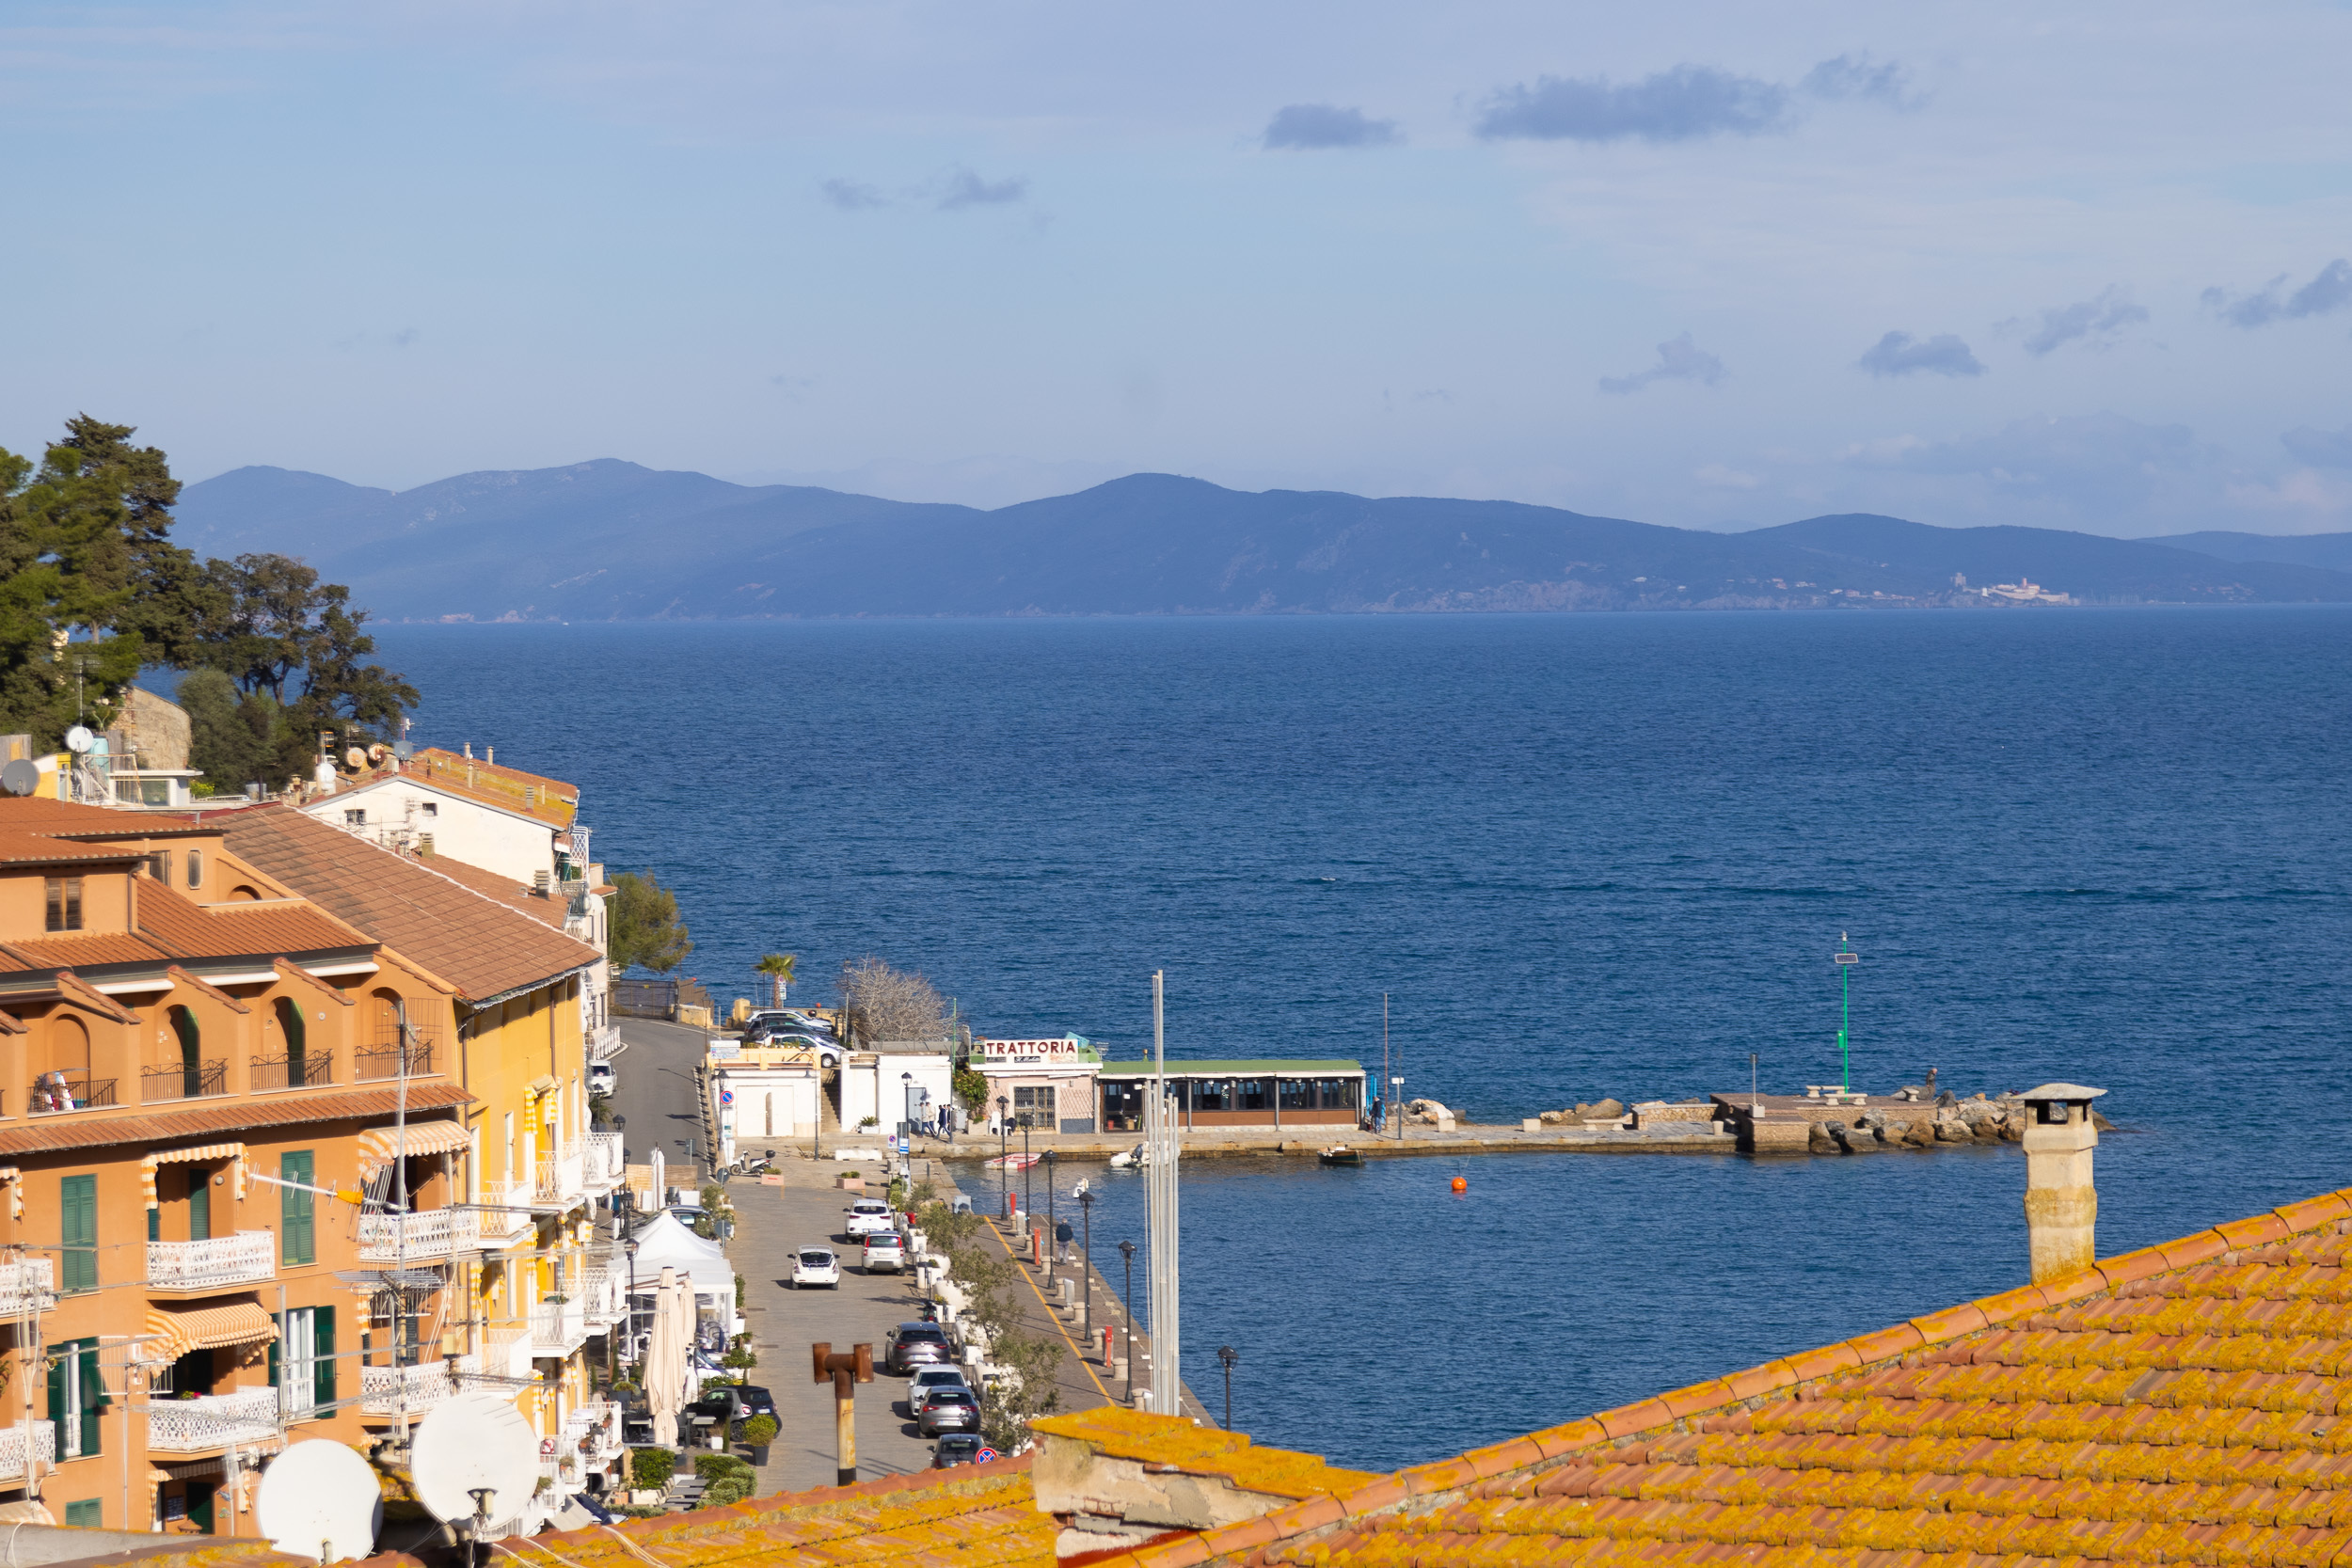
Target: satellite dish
79,740
319,1497
471,1443
20,777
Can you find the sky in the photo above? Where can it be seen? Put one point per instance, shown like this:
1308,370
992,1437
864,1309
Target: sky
1709,265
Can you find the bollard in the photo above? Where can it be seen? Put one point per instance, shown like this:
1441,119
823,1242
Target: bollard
1106,1344
1013,1206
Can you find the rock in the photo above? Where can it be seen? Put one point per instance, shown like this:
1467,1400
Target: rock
1920,1134
1947,1101
1951,1130
1818,1141
1554,1119
1609,1109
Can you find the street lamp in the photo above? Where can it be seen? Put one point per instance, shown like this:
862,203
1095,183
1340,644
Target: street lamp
906,1122
1127,1250
1086,1254
630,1317
1029,1173
1051,1230
1004,1140
1228,1355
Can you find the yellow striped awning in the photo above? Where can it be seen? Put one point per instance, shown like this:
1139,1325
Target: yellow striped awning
14,1180
378,1144
183,1156
174,1331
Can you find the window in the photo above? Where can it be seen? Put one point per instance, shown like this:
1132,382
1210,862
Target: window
1299,1094
77,1232
196,869
76,1396
433,808
65,903
1253,1094
302,1361
1212,1094
297,1239
86,1513
159,866
1033,1107
356,817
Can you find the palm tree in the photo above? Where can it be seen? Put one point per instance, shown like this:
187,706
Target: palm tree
778,968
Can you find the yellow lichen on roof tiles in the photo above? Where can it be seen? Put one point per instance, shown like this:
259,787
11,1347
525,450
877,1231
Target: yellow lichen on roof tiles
1204,1450
2184,1411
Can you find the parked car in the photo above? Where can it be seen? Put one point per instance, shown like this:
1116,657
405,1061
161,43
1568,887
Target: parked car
828,1048
885,1253
603,1079
929,1380
949,1410
867,1216
957,1448
816,1266
756,1401
911,1345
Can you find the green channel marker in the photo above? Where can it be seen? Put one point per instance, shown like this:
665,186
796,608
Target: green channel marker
1847,958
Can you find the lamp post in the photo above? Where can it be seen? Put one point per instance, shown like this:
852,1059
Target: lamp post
1228,1355
1051,1231
1847,958
1029,1170
1004,1140
630,1317
906,1120
1127,1250
1086,1256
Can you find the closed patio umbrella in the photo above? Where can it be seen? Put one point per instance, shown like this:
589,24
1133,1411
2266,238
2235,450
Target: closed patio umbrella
665,1361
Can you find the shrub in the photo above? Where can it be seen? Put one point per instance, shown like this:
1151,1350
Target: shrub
716,1468
759,1429
651,1467
732,1490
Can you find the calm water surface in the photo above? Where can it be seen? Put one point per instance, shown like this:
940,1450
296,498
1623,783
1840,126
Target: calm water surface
1587,855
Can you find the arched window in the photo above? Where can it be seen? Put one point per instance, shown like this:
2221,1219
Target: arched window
196,869
293,1041
244,894
64,1082
191,1052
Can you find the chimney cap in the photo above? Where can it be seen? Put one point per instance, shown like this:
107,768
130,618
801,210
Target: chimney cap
2073,1093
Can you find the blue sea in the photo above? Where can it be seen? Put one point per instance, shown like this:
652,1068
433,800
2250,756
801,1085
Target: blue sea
1581,855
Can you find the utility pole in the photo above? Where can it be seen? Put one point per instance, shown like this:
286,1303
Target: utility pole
1161,1154
1126,1250
1846,959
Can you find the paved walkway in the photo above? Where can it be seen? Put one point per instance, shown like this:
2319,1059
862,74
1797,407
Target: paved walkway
1084,1380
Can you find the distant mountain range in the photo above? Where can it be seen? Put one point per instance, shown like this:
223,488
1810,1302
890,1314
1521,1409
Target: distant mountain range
609,540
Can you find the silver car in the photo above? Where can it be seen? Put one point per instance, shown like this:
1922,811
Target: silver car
929,1380
885,1254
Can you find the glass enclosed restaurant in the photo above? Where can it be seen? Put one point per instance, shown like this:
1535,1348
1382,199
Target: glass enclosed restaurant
1236,1094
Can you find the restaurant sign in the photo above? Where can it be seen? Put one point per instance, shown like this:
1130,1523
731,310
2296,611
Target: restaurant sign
1066,1051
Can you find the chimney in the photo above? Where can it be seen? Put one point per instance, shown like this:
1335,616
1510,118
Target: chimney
2062,1202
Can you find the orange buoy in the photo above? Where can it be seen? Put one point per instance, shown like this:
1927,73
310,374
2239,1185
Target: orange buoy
1461,1184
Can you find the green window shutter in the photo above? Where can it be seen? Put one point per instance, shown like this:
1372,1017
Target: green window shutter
93,1396
86,1513
297,1242
77,1206
323,1347
285,1326
57,1392
156,1223
200,1205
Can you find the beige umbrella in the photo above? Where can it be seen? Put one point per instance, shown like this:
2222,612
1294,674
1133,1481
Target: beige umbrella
665,1361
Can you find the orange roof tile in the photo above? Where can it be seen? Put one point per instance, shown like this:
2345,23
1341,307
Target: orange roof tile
484,948
187,929
20,846
551,800
508,892
48,1136
76,950
2178,1403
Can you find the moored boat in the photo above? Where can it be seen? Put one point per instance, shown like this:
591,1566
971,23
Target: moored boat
1340,1154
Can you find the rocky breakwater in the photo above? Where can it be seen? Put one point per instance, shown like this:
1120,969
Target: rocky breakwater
1598,1113
1946,1122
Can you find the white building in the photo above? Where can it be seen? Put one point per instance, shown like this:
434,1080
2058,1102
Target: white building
898,1081
763,1098
502,819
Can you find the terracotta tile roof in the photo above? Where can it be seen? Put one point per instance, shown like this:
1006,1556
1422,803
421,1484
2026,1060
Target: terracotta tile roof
983,1516
484,948
31,814
2176,1404
508,892
48,1136
18,846
76,950
1174,1441
187,929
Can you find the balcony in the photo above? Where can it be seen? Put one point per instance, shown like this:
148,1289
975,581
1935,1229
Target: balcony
558,1327
19,1444
305,1071
160,1084
386,1390
604,1293
211,1421
426,1234
27,1282
53,1092
601,1168
506,1353
559,1184
511,1218
216,1264
374,1063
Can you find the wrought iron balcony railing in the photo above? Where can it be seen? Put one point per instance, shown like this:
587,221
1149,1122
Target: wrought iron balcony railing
309,1071
243,1258
159,1084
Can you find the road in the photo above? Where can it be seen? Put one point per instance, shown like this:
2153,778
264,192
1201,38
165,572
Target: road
655,1094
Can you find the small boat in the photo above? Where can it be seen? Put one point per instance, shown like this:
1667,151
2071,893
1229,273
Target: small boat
1014,1162
1339,1154
1132,1160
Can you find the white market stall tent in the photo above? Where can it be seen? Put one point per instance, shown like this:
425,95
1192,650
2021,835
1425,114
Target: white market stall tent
666,1243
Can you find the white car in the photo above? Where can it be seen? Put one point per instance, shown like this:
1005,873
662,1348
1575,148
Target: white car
885,1253
867,1216
816,1266
601,1078
927,1380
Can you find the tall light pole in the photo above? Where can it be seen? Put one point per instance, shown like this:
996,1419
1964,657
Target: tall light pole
1846,959
1085,1253
1228,1355
1127,1250
1004,1141
1051,1233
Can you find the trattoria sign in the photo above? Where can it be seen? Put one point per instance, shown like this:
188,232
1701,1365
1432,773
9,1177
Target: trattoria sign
1068,1049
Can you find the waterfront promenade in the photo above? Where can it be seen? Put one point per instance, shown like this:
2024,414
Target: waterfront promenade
1304,1144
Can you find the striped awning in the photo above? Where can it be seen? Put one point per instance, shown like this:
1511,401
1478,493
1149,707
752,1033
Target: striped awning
174,1331
378,1144
14,1180
189,1156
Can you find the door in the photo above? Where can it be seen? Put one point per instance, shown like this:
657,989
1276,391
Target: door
298,1360
77,1206
297,1239
200,1506
75,1397
199,1204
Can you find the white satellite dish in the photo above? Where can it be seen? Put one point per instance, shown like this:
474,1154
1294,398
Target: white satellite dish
320,1499
79,740
471,1443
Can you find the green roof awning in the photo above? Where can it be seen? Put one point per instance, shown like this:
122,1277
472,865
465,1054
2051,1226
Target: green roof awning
1251,1068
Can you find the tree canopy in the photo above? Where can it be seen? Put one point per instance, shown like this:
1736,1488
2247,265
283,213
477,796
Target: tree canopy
644,929
92,590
